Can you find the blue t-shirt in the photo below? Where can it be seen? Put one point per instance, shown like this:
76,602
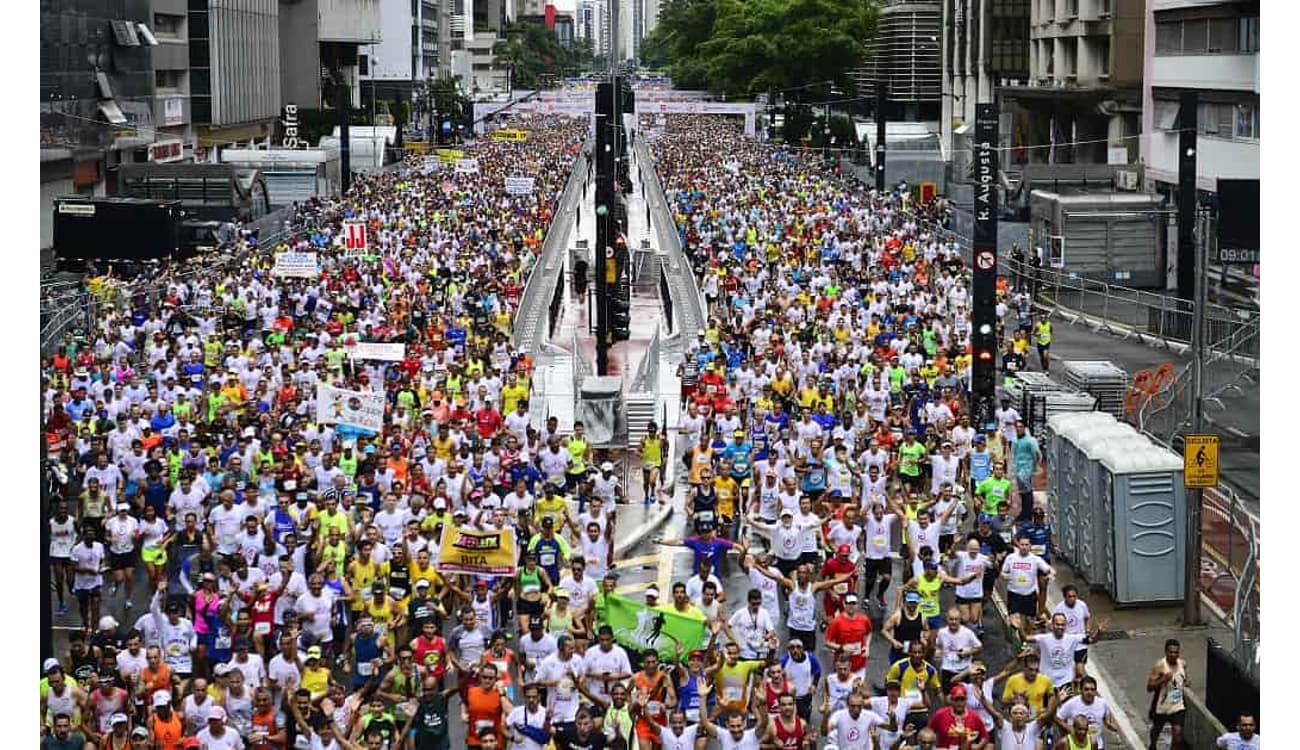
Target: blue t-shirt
709,550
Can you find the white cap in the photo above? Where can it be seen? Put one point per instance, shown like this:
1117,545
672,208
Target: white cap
652,591
51,663
216,713
248,432
124,506
162,698
118,718
607,466
107,623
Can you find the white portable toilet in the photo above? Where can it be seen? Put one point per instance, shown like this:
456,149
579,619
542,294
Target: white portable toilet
1148,531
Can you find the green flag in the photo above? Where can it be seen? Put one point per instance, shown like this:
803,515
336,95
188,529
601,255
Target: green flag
639,627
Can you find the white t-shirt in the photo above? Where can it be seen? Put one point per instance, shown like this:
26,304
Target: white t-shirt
1076,617
965,566
685,741
747,741
564,696
1021,572
752,630
1008,739
851,733
521,716
1057,655
597,662
229,740
1233,741
950,644
1096,714
91,557
121,534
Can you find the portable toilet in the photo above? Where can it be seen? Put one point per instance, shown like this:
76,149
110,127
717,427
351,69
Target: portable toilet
1069,478
1149,524
1094,512
1084,513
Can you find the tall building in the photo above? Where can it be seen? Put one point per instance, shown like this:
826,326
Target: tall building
905,55
321,43
1212,48
96,94
407,52
985,43
216,71
1081,103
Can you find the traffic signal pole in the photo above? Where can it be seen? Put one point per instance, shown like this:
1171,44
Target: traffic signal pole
985,266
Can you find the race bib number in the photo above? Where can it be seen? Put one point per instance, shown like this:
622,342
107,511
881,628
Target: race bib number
733,694
547,559
879,542
365,668
705,516
396,592
1038,549
262,628
1022,579
840,588
852,648
222,642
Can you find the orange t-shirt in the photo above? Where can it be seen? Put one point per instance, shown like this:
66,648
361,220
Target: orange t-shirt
155,681
167,734
483,705
265,722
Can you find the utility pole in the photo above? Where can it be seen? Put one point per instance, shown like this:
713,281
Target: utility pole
1196,495
882,95
1187,130
984,276
47,616
345,136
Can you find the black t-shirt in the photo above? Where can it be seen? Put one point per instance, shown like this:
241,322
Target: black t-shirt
567,739
430,724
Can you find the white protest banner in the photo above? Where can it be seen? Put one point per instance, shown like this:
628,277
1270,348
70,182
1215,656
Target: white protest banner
519,185
355,240
296,266
364,409
431,164
378,351
467,166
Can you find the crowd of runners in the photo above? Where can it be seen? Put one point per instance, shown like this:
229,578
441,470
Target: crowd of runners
245,576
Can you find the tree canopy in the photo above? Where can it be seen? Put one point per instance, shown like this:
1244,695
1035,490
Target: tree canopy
537,58
745,47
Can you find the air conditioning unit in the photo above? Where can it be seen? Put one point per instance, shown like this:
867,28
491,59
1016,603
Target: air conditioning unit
1126,179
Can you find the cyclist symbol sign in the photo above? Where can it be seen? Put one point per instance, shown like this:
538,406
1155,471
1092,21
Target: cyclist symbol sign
984,260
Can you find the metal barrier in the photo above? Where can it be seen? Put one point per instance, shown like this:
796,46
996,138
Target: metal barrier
682,289
1127,312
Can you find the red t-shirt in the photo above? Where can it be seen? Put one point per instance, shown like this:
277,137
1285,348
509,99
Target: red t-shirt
949,727
845,630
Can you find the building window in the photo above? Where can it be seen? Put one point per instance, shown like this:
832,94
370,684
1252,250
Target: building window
168,26
169,81
1103,57
1165,113
1071,8
1169,38
1223,35
1203,36
1247,116
1195,36
1248,35
1216,119
363,64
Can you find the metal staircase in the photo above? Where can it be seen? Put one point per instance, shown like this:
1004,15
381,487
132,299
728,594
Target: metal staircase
640,409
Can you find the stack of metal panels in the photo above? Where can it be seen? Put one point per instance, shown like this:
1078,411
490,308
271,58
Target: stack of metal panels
1105,380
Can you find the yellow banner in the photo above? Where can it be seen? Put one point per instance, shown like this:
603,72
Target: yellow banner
475,552
508,134
449,155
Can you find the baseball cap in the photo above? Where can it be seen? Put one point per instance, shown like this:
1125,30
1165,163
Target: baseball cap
957,691
843,549
851,599
107,622
221,669
118,718
314,652
984,518
140,733
162,698
607,466
980,439
930,565
786,512
216,713
50,665
123,506
423,583
911,596
652,591
560,593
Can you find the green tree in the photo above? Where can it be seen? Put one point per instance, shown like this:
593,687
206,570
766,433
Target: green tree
744,47
536,58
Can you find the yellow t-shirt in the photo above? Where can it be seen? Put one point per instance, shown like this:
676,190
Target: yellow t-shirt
1035,692
734,682
316,681
511,395
727,490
